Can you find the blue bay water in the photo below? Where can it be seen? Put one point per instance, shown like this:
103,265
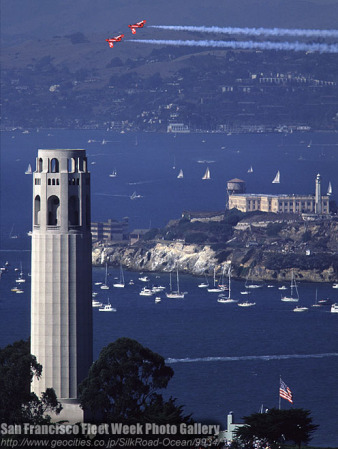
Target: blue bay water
224,357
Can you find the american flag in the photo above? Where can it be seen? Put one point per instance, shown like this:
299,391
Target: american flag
285,392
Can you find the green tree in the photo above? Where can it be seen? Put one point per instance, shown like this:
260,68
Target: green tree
123,385
276,426
17,403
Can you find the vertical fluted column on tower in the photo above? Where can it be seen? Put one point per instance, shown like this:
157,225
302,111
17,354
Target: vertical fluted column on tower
61,312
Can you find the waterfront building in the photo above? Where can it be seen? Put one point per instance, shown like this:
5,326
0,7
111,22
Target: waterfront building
228,435
282,203
109,231
61,312
177,128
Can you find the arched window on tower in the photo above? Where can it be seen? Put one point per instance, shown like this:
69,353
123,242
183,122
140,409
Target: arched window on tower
53,210
37,207
40,165
72,165
54,165
73,211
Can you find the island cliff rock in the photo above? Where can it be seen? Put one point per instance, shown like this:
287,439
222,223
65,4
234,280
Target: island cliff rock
310,250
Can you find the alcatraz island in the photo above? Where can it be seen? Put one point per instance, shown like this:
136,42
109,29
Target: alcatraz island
266,236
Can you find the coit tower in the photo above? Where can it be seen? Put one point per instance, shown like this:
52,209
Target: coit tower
61,311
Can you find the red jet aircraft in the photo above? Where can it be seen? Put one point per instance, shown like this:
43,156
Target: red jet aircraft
114,39
137,25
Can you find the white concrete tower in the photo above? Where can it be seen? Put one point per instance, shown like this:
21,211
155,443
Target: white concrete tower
61,274
318,195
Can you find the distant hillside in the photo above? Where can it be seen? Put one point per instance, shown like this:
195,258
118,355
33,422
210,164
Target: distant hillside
58,71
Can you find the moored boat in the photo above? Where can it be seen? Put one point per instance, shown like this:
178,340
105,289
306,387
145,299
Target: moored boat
107,308
334,308
246,304
293,297
300,309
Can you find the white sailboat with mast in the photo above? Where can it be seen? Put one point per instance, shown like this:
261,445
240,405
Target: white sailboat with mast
180,175
294,297
121,282
105,286
177,293
204,284
215,288
206,174
276,179
228,299
29,170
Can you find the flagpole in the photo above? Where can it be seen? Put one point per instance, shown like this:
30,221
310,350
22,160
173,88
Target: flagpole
279,401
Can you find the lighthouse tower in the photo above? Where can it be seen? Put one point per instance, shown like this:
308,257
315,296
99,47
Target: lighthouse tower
318,195
61,312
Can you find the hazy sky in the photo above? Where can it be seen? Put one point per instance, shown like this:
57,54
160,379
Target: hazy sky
43,18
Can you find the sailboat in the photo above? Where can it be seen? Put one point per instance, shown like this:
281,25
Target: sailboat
134,196
105,286
204,284
215,288
180,175
316,302
113,174
293,286
20,279
222,284
228,299
177,293
206,174
250,284
121,283
276,179
250,170
329,189
11,235
29,170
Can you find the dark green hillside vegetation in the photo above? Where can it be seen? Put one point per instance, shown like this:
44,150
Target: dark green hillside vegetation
318,261
17,403
277,426
199,232
124,385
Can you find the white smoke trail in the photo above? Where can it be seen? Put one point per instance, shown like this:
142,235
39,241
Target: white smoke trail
278,32
266,45
252,357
